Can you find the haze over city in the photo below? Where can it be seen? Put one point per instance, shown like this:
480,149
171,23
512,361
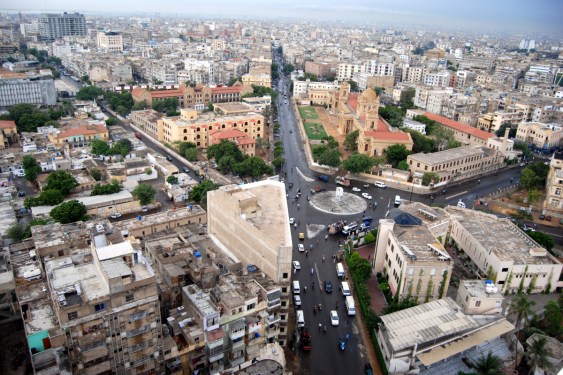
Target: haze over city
475,15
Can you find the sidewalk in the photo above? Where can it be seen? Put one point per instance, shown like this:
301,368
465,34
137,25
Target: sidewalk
377,300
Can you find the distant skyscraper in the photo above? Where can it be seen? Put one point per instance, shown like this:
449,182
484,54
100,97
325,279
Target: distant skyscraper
55,26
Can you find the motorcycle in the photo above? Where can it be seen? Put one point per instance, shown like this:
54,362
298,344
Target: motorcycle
342,343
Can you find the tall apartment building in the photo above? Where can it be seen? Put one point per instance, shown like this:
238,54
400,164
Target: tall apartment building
110,41
246,221
412,74
56,26
345,71
413,260
554,185
503,253
479,61
436,79
31,88
301,88
320,69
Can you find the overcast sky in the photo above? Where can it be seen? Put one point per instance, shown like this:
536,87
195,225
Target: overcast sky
497,15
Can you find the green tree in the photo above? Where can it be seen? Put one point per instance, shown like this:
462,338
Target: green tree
421,143
111,188
232,81
253,166
62,181
403,165
353,86
396,153
288,68
429,177
199,192
392,114
543,239
173,180
522,307
69,212
524,148
99,147
144,193
538,354
112,121
552,320
122,147
138,106
351,141
489,365
331,142
89,93
50,197
278,162
191,154
96,174
16,232
407,97
503,127
358,163
31,168
325,155
401,304
225,148
359,266
534,195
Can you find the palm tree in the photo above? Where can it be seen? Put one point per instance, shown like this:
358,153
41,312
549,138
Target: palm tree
489,365
538,353
522,307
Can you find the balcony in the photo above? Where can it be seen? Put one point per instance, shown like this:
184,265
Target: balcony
138,331
237,335
272,319
274,305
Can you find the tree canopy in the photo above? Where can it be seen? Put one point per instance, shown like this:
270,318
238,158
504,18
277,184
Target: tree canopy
351,141
534,176
503,127
144,193
111,188
69,212
326,155
62,181
89,93
429,177
168,106
358,163
199,192
543,239
393,115
396,153
31,168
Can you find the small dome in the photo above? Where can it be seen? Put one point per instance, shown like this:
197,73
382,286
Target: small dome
369,94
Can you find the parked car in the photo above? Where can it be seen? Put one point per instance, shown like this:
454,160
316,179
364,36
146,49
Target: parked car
169,158
291,221
380,185
186,169
542,217
297,300
300,247
21,194
357,190
367,196
116,215
144,209
296,265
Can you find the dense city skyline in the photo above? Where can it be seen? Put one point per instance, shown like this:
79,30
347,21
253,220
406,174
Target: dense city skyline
481,15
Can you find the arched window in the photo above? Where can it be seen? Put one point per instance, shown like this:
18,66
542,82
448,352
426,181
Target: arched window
185,131
185,138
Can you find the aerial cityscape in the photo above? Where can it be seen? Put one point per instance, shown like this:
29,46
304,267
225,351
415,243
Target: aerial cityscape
249,187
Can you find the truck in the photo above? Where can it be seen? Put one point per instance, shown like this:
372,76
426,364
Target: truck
138,135
342,181
306,340
336,227
317,189
323,178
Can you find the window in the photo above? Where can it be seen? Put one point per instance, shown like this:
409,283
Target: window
129,298
100,307
250,306
432,271
477,303
73,315
284,276
504,270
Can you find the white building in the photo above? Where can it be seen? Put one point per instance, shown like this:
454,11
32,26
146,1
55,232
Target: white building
436,79
18,88
303,87
415,125
110,41
345,71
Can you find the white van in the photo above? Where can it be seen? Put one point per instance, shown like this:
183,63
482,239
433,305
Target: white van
350,305
300,319
296,287
397,200
349,228
340,270
345,288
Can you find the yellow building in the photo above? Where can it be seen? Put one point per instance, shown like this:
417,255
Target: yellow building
79,135
259,79
8,133
360,112
206,128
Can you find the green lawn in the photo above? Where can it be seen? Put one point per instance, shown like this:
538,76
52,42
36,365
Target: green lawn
308,113
315,130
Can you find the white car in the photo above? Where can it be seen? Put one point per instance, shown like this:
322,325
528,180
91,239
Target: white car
366,195
300,247
116,215
334,318
291,221
380,185
296,265
21,173
356,189
297,300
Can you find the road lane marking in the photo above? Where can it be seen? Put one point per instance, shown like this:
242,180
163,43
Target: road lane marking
455,195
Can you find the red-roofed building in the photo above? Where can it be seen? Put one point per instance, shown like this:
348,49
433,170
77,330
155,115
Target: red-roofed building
8,133
193,97
246,144
463,133
80,135
360,112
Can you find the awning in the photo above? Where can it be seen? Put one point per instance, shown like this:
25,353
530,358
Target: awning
442,352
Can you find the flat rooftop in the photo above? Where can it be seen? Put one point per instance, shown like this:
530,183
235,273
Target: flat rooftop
476,288
200,300
425,323
234,107
506,240
427,214
452,154
160,218
416,240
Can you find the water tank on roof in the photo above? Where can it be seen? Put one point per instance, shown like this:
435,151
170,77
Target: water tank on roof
197,254
139,217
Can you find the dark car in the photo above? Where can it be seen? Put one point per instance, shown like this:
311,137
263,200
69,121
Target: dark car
21,194
328,287
323,178
186,169
367,369
169,158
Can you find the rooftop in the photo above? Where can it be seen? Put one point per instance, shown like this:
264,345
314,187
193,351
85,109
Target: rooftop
233,107
419,244
214,119
476,289
505,239
463,152
459,126
423,324
200,299
159,218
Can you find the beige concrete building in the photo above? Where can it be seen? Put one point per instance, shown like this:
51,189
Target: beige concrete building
146,120
258,79
413,260
476,297
250,221
205,129
543,136
504,253
463,133
111,42
456,164
554,185
320,69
